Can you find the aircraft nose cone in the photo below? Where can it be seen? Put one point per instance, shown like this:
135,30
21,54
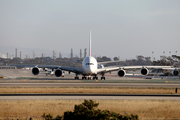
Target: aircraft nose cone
90,70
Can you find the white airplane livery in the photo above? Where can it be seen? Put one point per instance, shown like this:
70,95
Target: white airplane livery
90,67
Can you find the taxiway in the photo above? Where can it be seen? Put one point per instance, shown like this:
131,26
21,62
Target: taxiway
90,84
88,96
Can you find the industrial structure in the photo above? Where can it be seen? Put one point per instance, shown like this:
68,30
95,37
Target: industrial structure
80,53
21,55
60,55
85,52
33,55
71,55
16,53
54,54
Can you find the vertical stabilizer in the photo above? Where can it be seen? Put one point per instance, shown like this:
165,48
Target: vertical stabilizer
90,43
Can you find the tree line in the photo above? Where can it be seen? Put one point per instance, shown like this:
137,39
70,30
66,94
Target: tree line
77,62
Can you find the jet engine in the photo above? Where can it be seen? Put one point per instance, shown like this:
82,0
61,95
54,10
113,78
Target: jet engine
100,66
121,73
35,71
144,71
58,72
175,72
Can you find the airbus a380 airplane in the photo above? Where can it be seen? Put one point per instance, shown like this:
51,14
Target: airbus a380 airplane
90,67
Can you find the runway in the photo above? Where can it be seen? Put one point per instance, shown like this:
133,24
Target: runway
94,84
88,96
24,78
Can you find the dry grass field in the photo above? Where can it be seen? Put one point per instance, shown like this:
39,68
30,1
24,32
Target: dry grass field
146,109
5,90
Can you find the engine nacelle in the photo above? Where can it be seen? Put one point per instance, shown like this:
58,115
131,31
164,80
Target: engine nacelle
175,72
121,73
58,72
35,71
144,71
100,66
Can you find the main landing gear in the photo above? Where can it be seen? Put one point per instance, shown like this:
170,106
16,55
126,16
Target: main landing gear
102,78
76,78
89,78
95,78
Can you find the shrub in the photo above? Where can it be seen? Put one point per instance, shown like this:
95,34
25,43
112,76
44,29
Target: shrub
49,117
86,111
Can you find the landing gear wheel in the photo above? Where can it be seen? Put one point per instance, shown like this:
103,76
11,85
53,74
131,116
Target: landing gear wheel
102,78
83,78
76,78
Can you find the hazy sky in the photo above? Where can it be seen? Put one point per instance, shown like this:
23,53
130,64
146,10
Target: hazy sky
124,28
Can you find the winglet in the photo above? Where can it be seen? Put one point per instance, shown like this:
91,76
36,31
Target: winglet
90,43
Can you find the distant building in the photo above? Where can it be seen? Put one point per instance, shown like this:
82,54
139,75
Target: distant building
21,55
47,59
7,55
16,53
80,53
8,67
34,55
60,55
54,54
85,52
71,53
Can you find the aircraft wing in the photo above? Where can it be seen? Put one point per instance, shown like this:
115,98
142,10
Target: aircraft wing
70,69
108,62
109,69
139,67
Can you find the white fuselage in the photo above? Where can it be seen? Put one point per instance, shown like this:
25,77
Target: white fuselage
89,65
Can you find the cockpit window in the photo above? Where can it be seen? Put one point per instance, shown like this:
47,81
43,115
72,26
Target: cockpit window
89,64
